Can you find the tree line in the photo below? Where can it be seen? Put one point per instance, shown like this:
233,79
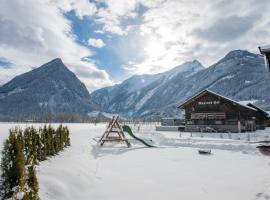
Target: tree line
22,151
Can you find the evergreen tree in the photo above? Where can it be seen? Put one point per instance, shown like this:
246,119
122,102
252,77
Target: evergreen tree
28,144
50,141
19,160
67,140
13,164
35,143
21,152
6,164
39,147
43,146
59,132
32,183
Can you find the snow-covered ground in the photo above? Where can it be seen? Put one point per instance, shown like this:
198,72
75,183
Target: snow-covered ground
174,170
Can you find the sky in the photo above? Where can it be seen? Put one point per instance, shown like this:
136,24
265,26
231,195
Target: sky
106,41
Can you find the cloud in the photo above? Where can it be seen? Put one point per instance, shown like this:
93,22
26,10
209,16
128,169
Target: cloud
96,42
5,63
115,16
92,77
177,31
227,29
110,22
166,29
146,36
81,8
35,31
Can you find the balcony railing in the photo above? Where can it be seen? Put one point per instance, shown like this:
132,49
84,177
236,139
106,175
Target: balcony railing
219,115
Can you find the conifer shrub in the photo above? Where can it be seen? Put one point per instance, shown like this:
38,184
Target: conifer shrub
22,151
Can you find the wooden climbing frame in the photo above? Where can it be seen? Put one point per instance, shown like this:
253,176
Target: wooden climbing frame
114,133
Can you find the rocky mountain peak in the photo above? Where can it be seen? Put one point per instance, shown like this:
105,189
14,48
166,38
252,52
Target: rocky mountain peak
54,64
51,88
235,54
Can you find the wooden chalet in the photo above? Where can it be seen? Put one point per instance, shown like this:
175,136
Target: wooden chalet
209,110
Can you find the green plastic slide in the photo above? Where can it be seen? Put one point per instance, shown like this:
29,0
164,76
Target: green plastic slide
129,131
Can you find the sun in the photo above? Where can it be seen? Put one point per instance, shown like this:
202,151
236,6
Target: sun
154,48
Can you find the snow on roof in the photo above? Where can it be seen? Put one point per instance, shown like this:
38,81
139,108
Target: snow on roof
233,101
246,103
264,49
258,108
216,94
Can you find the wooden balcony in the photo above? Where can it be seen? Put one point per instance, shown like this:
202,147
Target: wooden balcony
219,115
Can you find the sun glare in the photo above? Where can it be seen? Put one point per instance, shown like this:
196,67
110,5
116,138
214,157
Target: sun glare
154,49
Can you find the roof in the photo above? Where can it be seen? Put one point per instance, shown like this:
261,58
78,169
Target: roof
264,49
257,108
201,93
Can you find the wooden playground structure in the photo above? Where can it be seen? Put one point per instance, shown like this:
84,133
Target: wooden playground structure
114,133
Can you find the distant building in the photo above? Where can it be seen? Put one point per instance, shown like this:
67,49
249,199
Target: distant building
208,110
172,122
265,50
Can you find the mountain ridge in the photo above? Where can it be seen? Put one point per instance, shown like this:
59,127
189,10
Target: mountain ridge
128,100
49,89
239,75
52,89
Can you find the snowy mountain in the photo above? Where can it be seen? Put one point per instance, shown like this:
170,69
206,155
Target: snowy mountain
54,89
49,89
240,75
134,96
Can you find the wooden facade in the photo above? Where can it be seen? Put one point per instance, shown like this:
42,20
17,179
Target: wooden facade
211,110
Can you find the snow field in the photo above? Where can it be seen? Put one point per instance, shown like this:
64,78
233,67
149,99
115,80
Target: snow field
86,171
